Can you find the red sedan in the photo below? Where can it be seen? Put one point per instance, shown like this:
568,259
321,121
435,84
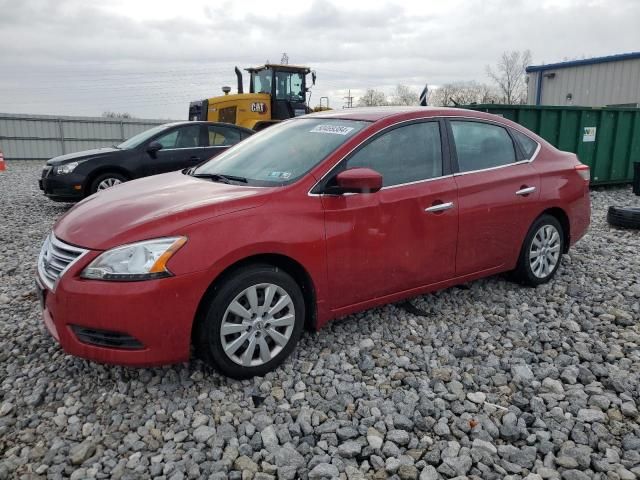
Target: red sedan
314,218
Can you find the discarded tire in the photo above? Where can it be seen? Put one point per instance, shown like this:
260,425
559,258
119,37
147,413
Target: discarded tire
626,217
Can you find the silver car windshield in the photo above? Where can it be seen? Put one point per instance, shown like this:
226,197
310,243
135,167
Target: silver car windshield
283,153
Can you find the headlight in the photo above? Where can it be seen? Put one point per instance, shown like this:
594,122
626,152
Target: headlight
137,261
66,168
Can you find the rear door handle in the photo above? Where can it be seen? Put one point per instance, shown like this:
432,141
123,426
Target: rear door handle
439,207
526,191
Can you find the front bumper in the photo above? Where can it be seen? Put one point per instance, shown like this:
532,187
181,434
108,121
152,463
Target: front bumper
62,188
156,314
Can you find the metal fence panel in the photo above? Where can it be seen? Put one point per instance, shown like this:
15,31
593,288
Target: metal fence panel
40,137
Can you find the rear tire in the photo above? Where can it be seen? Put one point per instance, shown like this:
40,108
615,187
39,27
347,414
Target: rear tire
105,181
252,322
541,252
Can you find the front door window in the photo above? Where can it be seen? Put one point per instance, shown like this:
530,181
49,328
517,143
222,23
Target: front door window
403,155
183,137
222,136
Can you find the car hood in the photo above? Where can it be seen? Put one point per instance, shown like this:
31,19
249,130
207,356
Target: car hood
151,207
83,155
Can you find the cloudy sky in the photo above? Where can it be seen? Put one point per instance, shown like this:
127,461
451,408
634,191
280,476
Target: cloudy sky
151,57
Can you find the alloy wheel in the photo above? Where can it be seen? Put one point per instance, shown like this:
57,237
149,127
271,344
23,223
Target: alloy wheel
544,253
257,324
108,183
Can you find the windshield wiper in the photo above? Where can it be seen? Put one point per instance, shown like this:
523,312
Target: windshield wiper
218,177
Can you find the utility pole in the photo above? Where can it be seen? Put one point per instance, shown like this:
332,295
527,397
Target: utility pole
348,101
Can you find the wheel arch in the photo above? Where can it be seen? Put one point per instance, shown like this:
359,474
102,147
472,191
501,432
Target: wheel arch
562,217
100,171
291,266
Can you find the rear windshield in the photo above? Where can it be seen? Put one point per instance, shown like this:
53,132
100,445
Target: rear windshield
283,153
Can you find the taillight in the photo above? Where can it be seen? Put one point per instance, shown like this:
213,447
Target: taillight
584,172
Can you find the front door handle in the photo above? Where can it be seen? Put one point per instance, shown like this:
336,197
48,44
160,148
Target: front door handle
524,191
194,157
439,207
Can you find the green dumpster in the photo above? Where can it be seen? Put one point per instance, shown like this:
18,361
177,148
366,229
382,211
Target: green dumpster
607,139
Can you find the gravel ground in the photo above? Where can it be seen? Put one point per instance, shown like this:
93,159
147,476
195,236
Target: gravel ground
496,381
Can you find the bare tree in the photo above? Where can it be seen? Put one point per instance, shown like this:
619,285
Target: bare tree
404,95
486,94
463,93
116,115
372,98
509,76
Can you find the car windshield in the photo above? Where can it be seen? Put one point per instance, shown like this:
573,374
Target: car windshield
142,137
282,153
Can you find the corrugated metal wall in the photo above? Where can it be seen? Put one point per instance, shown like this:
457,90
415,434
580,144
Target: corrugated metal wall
40,137
598,85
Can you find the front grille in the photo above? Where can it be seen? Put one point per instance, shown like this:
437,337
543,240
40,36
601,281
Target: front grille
106,338
55,258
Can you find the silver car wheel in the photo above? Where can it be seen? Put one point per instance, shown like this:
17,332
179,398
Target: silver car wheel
257,324
108,183
544,253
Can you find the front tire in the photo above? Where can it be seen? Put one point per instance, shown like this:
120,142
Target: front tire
541,252
105,181
253,322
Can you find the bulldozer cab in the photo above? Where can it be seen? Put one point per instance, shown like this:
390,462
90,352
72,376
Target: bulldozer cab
276,92
287,86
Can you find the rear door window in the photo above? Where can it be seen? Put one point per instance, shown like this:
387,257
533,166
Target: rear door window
188,137
481,145
222,136
183,137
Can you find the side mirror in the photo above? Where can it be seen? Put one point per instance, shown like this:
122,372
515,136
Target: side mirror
357,180
313,77
153,148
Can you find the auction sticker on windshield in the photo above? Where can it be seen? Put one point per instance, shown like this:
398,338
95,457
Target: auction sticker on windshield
284,175
335,129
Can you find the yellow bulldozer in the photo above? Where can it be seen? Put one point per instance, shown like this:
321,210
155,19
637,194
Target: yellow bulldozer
276,92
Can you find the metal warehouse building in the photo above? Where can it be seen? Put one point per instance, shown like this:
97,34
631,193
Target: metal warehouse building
594,82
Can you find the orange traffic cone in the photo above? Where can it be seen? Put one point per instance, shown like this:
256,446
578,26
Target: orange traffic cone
3,165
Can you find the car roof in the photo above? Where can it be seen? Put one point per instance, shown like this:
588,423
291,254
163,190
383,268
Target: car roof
373,114
222,124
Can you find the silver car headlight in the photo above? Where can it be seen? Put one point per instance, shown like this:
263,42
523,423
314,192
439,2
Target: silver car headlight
66,168
145,260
